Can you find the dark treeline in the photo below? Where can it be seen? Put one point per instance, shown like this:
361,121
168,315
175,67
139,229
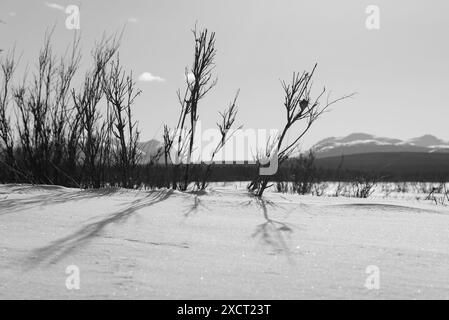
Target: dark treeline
304,171
391,167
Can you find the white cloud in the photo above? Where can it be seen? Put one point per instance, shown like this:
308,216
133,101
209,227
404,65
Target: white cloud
133,20
12,14
55,6
148,77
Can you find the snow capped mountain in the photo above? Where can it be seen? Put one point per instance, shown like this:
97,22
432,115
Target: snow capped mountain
428,141
356,143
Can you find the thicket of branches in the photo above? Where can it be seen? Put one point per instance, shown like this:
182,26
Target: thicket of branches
179,145
53,132
302,110
298,175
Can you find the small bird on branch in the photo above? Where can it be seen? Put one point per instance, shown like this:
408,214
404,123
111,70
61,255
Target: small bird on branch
303,104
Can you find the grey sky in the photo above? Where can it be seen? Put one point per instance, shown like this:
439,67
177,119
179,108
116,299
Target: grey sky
400,72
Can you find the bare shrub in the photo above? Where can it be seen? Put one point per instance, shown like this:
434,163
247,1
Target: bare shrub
43,112
120,94
227,120
82,137
94,128
319,189
199,81
439,194
8,65
300,172
283,186
340,190
363,185
401,187
300,108
304,174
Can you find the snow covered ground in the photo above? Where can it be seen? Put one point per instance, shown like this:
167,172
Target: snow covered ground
223,244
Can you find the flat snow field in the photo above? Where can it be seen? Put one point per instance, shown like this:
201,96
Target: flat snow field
221,244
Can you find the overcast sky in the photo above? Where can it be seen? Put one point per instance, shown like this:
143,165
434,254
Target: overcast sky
400,71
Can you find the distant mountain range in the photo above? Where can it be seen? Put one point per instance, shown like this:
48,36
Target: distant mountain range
361,143
424,158
355,143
